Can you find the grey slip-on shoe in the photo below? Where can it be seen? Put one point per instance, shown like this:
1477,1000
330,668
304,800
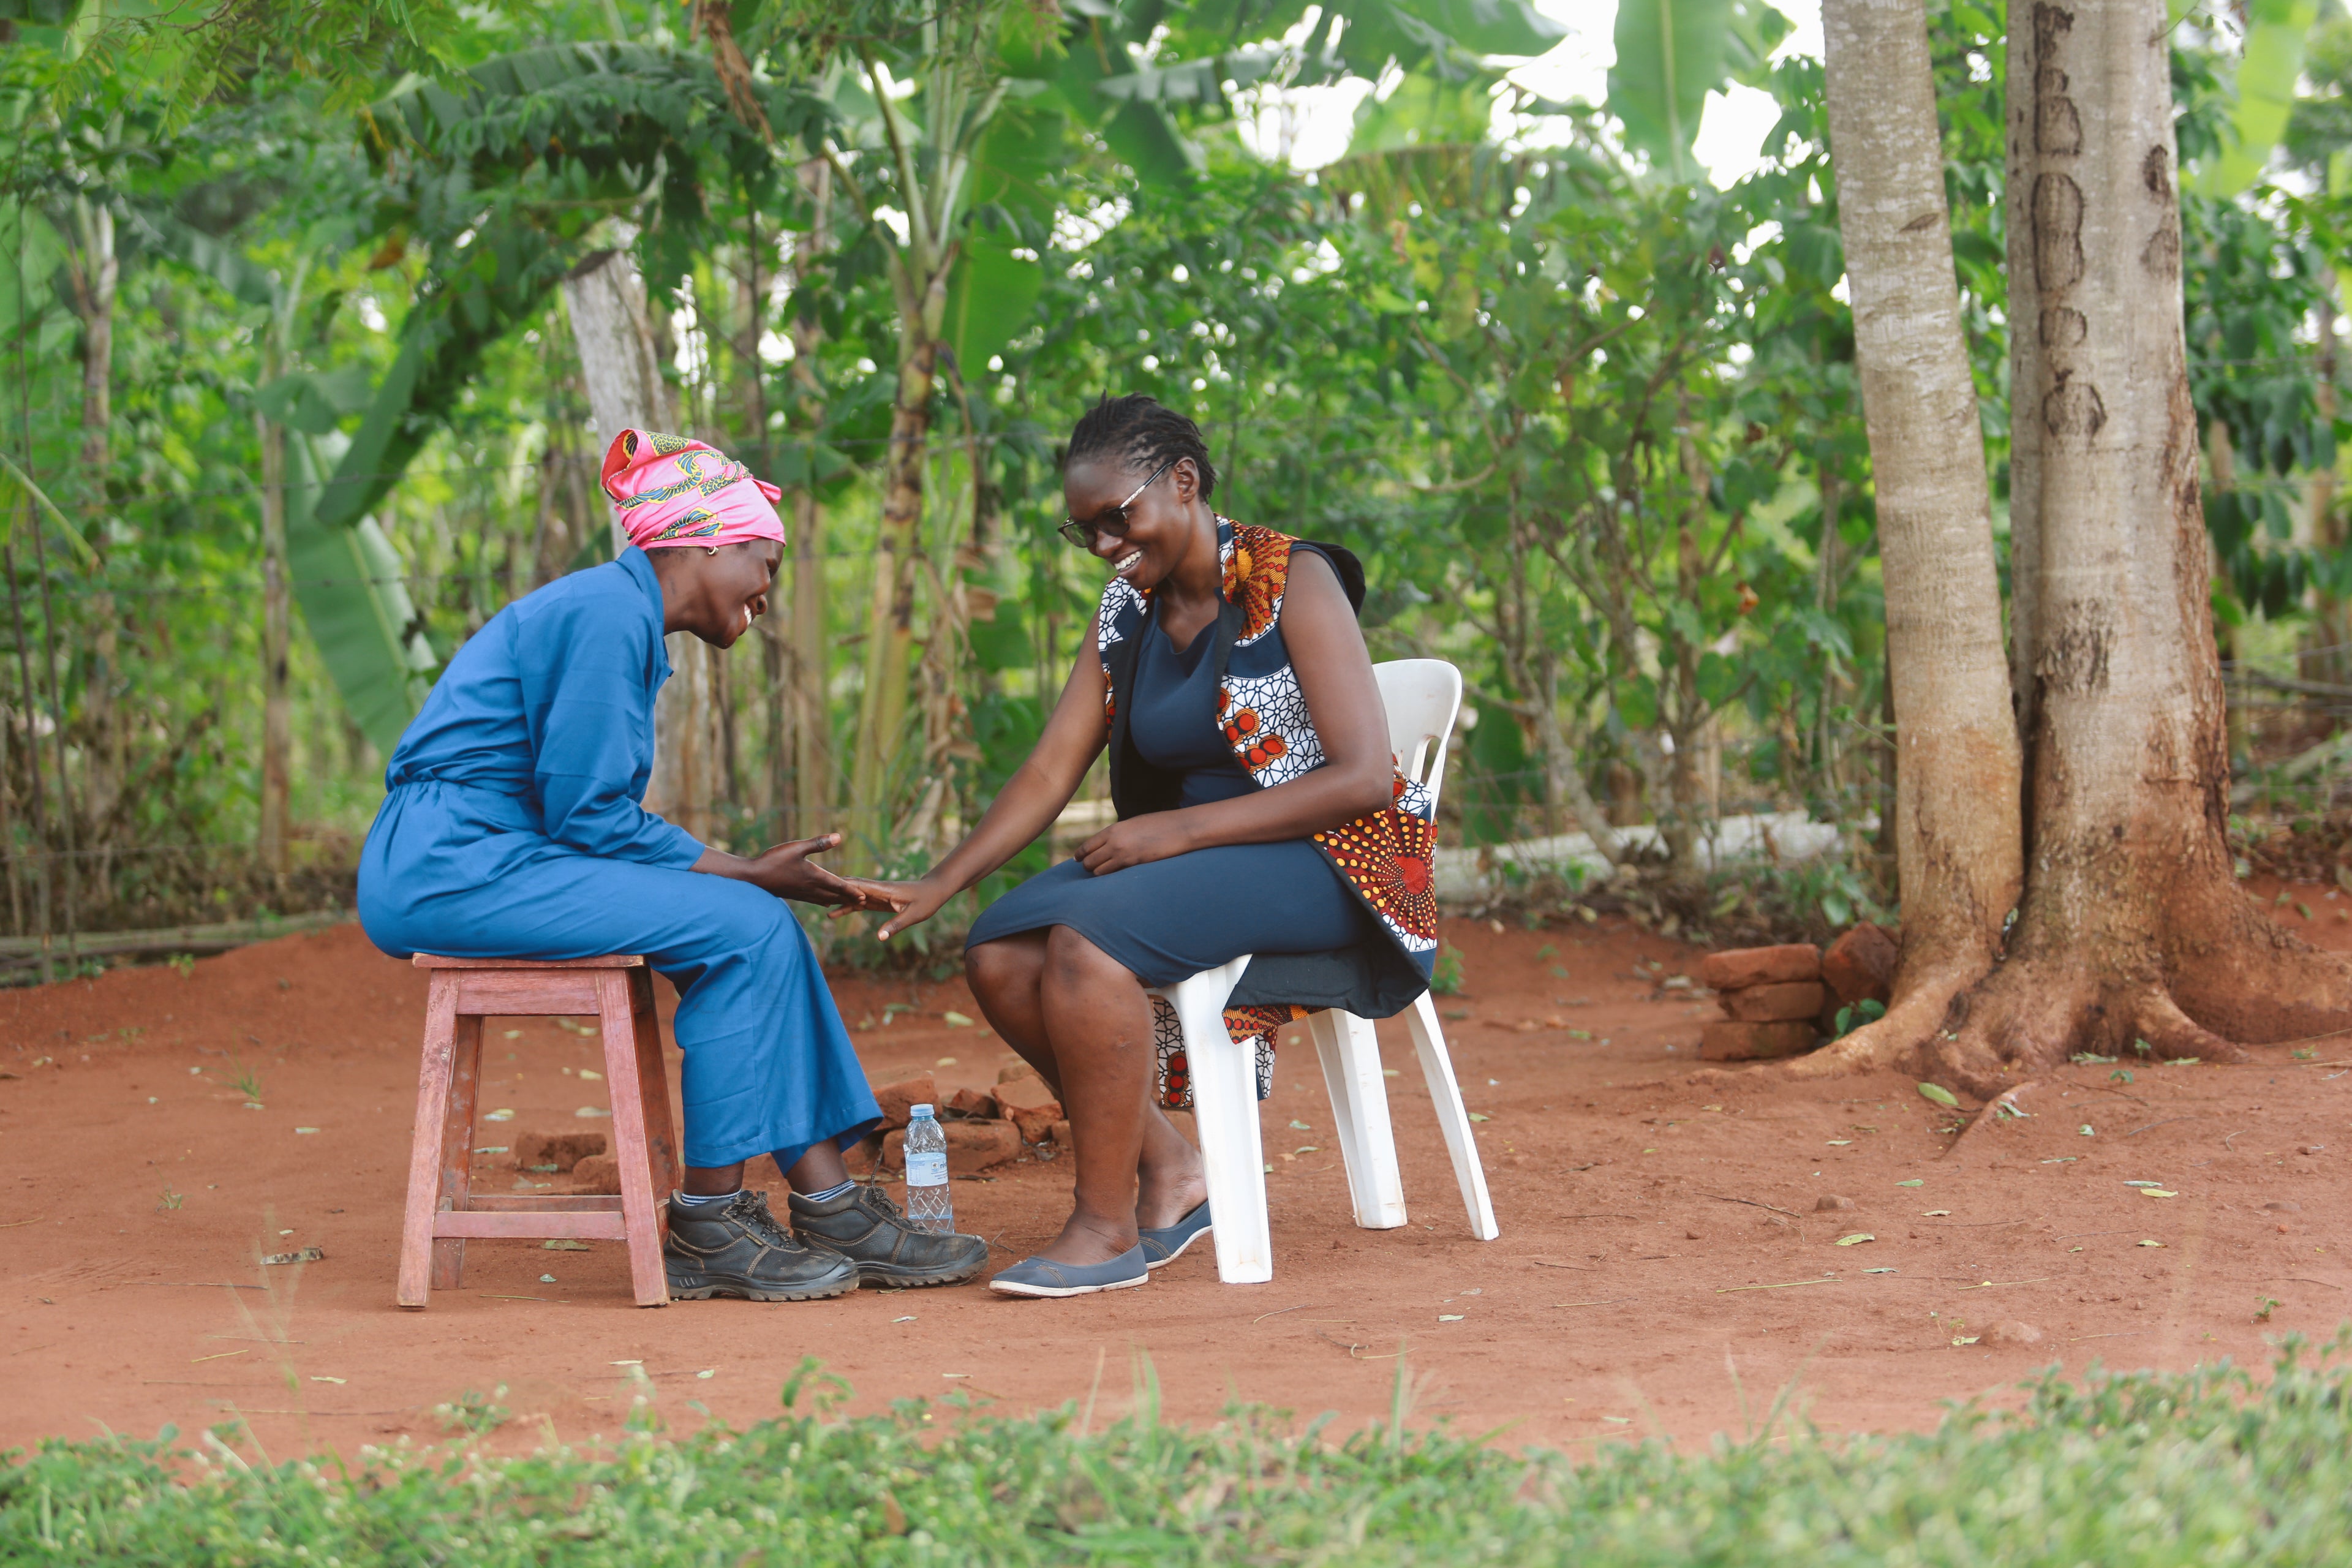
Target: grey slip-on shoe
1044,1276
1167,1244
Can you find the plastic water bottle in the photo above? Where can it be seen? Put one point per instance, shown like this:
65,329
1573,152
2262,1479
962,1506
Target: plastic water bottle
929,1207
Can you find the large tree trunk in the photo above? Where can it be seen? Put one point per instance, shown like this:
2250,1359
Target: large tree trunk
2132,928
622,372
1958,838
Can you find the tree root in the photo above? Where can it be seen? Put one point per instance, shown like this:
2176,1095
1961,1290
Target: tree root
1898,1040
2003,1106
2220,974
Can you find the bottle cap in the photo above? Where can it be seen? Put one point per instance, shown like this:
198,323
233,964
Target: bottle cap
919,1110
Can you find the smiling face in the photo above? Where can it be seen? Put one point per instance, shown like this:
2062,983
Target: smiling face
719,596
1164,524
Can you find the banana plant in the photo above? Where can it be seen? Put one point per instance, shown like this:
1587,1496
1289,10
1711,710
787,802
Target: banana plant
1670,55
2278,33
953,123
341,571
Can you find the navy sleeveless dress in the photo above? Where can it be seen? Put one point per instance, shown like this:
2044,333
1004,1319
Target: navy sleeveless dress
1166,920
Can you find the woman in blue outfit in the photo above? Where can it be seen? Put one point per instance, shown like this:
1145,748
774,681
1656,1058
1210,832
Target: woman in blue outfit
512,827
1260,813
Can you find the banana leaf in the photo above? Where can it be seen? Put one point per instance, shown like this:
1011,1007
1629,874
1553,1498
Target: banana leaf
347,582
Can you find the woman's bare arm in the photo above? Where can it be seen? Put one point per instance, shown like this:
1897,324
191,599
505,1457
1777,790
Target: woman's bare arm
1343,699
1027,804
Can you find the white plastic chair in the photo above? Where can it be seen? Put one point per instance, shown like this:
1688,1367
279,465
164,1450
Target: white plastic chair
1421,696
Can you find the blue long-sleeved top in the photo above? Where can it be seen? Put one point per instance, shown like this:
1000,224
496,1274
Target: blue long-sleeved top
551,703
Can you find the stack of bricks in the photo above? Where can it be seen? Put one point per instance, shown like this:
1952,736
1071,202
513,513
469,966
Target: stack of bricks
1772,1000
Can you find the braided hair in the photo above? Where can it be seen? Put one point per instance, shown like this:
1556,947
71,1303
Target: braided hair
1141,433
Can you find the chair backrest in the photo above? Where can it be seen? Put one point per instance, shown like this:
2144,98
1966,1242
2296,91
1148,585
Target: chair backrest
1421,696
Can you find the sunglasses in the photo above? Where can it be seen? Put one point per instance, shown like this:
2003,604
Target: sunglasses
1111,519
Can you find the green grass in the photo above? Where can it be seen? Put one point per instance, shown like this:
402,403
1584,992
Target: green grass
2204,1467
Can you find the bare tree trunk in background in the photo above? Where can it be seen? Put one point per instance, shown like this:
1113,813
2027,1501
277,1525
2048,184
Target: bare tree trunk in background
2325,657
890,607
96,272
621,371
2133,927
2222,457
808,704
1829,570
1682,709
276,633
1959,847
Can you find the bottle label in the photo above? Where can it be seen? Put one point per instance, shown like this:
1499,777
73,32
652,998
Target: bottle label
927,1169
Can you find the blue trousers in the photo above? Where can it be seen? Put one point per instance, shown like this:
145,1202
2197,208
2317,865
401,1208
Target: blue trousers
769,1067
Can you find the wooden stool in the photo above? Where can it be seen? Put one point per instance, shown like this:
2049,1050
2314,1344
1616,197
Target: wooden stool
443,1209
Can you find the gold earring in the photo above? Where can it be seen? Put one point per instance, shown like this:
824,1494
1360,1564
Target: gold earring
710,550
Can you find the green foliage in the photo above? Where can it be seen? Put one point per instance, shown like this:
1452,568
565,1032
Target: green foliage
1446,975
2267,70
1591,423
1869,1010
2134,1470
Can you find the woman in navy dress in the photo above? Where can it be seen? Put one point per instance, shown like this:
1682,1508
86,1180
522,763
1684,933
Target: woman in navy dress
512,826
1260,813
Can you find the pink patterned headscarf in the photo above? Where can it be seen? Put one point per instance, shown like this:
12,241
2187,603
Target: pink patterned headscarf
674,490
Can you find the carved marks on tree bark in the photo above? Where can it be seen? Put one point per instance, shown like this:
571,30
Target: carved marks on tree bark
2161,255
2073,406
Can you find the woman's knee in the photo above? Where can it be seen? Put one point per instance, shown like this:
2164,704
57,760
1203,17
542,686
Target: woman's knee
1005,967
1071,958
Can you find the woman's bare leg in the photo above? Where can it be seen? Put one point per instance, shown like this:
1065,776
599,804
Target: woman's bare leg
1004,977
1008,977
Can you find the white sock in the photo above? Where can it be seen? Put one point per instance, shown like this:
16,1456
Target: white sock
709,1200
829,1193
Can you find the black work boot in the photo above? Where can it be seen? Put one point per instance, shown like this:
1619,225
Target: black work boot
865,1226
740,1250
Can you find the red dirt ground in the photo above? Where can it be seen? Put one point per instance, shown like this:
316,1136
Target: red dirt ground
1662,1268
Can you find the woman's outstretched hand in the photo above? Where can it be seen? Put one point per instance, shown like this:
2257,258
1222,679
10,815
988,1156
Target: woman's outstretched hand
786,871
1155,835
909,903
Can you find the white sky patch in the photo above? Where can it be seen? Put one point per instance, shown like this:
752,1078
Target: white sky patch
1310,126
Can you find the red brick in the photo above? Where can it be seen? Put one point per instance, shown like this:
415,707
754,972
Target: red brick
1860,965
599,1174
970,1102
1030,1106
1013,1071
1747,967
895,1098
1790,999
1726,1041
1062,1136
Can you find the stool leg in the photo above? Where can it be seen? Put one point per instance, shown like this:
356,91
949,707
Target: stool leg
457,1173
629,1142
425,1148
653,1091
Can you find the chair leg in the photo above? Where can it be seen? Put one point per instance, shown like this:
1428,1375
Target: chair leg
1224,1112
426,1144
1350,1056
1452,1117
617,1016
